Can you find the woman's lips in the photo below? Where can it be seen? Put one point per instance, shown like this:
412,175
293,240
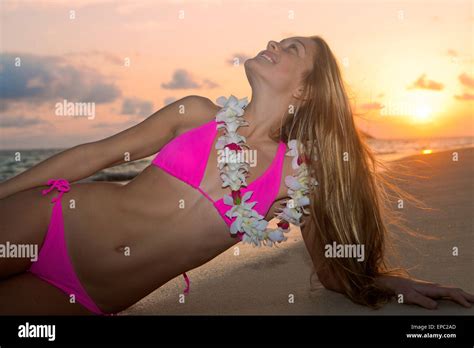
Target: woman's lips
270,56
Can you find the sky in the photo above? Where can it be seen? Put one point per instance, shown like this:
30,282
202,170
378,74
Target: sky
407,65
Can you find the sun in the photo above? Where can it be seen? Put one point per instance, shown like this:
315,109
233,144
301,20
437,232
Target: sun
423,107
422,114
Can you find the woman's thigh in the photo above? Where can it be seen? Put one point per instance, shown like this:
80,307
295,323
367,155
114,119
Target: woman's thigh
26,294
24,220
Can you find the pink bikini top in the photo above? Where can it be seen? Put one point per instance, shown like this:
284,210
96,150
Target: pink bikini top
186,156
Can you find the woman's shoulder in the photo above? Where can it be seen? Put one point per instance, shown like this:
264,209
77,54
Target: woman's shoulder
194,111
198,101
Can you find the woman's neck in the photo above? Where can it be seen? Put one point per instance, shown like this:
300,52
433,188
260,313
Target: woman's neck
264,114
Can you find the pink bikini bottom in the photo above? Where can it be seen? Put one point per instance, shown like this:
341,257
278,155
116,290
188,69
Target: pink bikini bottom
53,264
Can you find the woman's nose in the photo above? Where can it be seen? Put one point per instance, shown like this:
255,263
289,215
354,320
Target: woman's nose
272,45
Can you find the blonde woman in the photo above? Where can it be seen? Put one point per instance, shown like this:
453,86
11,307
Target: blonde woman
104,246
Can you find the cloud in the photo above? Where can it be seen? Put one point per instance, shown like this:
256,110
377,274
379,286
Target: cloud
423,83
464,97
239,57
100,93
7,121
46,78
135,106
466,80
182,79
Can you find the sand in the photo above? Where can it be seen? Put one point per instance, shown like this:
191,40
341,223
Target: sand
260,281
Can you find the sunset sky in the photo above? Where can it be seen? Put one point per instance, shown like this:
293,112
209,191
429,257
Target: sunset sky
408,64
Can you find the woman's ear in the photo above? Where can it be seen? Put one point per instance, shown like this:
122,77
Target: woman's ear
298,94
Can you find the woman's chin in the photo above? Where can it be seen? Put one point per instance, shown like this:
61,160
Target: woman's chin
257,66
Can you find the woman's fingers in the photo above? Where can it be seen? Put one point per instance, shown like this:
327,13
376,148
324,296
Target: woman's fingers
458,296
424,301
454,294
468,296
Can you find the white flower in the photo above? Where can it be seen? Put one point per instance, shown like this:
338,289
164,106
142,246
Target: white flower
300,199
230,138
232,125
254,226
254,229
251,240
291,215
297,188
233,174
294,183
232,102
232,162
293,146
243,209
232,109
247,219
233,179
277,235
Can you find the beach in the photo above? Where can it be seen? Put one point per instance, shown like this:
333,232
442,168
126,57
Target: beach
260,281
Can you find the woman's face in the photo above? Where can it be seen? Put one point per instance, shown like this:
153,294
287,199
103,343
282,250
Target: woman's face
281,66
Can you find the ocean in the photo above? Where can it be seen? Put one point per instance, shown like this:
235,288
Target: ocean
385,149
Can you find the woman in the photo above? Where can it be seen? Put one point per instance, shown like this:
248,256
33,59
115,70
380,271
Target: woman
109,245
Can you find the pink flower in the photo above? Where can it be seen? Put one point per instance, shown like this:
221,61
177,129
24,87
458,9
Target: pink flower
302,159
237,197
233,146
283,224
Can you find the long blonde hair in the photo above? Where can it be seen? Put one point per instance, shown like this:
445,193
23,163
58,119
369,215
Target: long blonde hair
350,204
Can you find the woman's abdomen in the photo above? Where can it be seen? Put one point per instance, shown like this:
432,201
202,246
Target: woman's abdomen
126,241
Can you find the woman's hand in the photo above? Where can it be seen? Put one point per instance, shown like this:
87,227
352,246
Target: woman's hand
423,293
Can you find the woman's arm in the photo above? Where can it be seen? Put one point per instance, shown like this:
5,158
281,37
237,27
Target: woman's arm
414,291
326,278
139,141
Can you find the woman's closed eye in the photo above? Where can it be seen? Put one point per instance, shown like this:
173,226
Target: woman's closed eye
293,47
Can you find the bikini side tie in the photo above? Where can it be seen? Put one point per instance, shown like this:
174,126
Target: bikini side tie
62,185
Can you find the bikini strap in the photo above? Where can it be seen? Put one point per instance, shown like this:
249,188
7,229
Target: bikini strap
281,155
186,279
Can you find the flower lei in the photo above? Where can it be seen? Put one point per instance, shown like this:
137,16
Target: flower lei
249,225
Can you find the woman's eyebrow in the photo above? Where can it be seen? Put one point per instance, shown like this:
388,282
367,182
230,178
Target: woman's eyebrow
302,44
299,41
